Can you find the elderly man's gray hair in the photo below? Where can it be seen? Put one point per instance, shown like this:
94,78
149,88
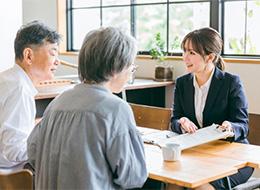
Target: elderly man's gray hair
105,52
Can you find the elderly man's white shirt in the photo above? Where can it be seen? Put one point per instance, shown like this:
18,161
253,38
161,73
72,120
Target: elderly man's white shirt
17,116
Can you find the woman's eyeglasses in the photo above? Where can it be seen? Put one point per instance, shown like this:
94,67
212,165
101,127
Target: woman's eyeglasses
134,68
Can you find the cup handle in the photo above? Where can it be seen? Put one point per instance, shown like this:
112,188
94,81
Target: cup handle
174,153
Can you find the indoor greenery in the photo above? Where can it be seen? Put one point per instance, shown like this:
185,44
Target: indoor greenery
157,48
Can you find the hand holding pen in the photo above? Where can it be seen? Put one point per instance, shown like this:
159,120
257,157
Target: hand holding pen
226,127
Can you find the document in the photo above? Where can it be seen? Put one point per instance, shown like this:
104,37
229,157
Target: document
158,137
188,140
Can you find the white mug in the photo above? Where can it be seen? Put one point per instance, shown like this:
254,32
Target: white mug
171,152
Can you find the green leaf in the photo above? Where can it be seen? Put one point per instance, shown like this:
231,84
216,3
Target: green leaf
158,45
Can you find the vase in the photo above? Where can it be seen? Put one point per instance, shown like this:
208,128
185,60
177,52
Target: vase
163,72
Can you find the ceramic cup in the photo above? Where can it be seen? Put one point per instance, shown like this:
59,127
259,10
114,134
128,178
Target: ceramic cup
171,152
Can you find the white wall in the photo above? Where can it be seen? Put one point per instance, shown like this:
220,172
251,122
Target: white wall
46,11
250,76
10,22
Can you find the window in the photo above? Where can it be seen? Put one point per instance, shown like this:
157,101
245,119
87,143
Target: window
241,31
142,18
173,19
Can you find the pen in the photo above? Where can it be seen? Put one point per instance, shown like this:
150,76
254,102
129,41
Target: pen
152,143
222,130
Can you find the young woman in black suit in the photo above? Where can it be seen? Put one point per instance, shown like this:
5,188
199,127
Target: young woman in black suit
208,95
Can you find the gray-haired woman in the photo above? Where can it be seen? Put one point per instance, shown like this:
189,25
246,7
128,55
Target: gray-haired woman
87,138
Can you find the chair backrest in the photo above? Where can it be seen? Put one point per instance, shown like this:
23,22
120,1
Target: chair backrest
152,117
22,180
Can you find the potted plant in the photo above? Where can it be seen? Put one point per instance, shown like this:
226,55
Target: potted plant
163,72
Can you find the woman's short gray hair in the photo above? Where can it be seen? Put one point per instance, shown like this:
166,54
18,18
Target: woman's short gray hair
105,52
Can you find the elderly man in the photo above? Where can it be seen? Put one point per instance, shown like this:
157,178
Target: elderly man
36,52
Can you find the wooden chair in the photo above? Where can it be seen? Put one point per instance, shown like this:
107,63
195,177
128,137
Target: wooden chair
152,117
22,180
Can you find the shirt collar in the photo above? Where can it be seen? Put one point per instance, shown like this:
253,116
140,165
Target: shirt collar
206,85
95,86
30,88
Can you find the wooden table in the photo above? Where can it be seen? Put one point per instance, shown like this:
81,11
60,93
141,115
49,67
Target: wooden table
200,164
192,170
237,151
51,91
143,91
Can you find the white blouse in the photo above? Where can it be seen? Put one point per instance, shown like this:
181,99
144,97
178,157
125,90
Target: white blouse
200,97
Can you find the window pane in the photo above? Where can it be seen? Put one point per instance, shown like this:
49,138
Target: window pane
150,1
173,1
82,24
233,30
88,3
150,19
183,19
117,17
241,37
253,17
116,2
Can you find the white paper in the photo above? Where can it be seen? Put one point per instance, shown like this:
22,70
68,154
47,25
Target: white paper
188,140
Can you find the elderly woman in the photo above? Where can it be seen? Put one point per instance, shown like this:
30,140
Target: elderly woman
87,138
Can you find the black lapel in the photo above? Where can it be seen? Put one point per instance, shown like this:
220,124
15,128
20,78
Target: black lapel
188,93
214,88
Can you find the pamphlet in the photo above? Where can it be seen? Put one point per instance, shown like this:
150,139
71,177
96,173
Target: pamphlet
187,140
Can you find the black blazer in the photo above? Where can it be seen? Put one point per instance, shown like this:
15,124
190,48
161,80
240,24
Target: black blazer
225,101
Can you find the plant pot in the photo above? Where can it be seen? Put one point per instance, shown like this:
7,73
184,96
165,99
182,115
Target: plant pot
163,73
